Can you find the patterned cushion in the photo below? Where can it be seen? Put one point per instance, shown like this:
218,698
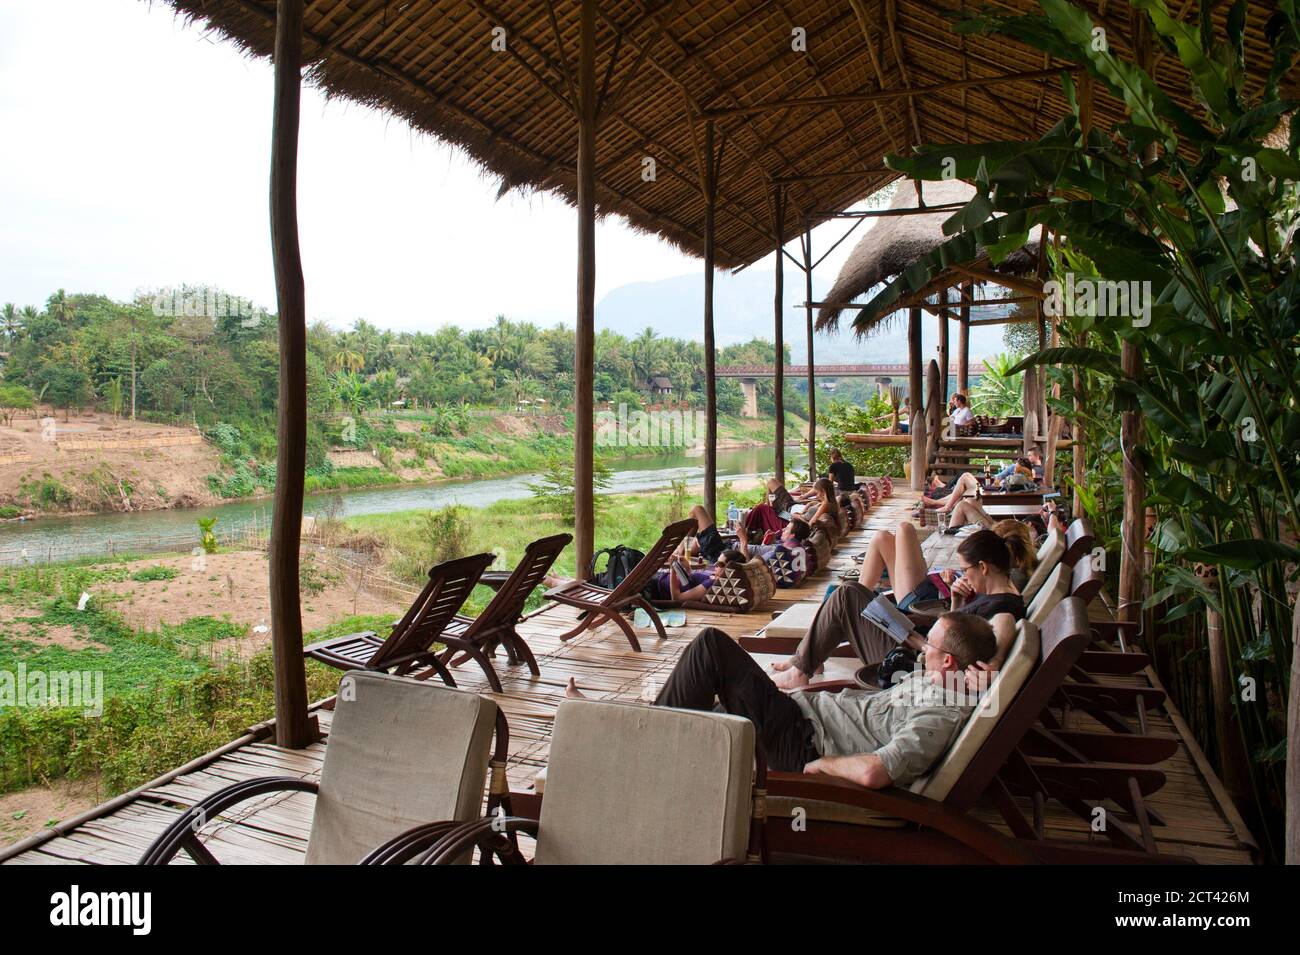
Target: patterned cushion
789,564
740,588
819,550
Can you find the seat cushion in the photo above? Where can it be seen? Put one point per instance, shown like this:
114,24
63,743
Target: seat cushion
794,622
979,726
634,784
401,752
1049,555
1050,594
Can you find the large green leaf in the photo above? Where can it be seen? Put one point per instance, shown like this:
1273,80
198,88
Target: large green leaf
1243,554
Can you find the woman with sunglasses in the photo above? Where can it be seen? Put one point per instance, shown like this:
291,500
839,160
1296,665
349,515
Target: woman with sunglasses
981,586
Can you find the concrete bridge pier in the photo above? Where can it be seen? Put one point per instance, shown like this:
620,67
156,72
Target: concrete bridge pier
749,388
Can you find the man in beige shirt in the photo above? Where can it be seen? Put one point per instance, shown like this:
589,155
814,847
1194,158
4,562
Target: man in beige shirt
875,738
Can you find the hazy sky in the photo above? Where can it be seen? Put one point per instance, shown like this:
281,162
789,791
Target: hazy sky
134,153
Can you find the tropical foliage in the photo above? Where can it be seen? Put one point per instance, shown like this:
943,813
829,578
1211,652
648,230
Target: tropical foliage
1195,212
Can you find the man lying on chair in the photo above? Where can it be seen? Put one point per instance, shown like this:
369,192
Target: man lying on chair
875,738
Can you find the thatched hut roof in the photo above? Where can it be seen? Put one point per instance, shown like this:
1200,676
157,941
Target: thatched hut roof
894,243
665,66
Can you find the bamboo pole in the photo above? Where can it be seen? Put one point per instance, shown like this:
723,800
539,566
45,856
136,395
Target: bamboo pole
1078,458
294,729
812,360
1233,768
584,524
778,201
963,339
1132,531
916,398
944,367
710,356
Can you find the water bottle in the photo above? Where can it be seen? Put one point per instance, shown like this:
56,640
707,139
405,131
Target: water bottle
733,515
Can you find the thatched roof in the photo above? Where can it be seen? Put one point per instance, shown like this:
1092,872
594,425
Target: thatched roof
663,64
894,243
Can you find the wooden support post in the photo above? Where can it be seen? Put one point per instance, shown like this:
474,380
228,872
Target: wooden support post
710,356
778,382
915,398
294,729
584,524
963,339
1078,456
1233,767
812,358
944,367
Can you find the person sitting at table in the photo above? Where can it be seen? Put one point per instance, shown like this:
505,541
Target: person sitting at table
981,586
959,411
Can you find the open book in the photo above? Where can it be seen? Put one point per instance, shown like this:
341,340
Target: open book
885,614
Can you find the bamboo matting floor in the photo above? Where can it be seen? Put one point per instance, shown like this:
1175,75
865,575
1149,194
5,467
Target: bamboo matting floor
274,829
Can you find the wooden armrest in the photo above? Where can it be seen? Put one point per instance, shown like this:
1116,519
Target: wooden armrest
905,805
183,832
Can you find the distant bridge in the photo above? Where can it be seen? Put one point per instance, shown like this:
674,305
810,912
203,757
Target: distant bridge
823,371
749,375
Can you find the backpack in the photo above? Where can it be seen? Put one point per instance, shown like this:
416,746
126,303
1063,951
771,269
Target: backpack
618,566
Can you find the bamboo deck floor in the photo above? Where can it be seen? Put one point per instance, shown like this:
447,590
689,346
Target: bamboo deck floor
274,829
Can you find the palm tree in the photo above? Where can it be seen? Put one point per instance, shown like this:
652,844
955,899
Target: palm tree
647,350
61,308
348,360
9,322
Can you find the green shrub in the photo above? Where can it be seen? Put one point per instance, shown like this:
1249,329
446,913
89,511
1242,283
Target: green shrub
156,572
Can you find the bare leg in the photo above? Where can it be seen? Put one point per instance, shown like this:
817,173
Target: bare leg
969,512
909,567
880,557
965,485
571,692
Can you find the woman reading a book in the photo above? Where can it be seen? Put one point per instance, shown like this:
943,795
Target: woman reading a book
981,586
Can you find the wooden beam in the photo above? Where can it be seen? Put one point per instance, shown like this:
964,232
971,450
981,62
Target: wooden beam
812,359
294,729
710,349
584,525
778,302
882,96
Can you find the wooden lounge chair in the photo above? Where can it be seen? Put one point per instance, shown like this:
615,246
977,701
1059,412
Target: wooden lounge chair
629,784
477,638
990,761
408,645
599,604
402,753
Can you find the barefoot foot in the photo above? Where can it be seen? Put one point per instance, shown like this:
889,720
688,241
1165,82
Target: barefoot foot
571,692
791,679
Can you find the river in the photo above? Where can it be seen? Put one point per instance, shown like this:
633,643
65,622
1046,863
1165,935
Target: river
64,538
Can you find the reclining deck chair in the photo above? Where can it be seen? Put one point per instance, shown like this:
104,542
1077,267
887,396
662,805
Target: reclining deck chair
632,784
401,753
599,603
409,644
988,761
477,638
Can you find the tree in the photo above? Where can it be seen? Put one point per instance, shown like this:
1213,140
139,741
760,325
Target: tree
113,395
63,386
13,399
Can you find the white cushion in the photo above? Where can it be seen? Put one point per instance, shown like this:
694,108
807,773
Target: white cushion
794,622
1049,555
633,784
401,753
1020,663
1050,594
